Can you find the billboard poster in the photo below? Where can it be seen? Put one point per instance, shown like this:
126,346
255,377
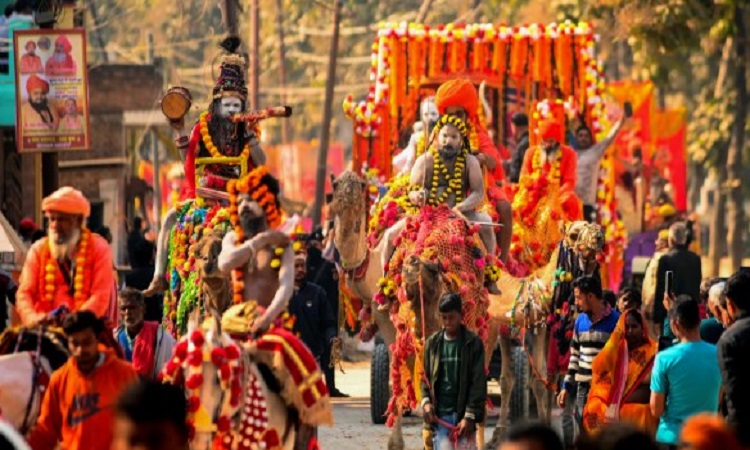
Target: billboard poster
52,110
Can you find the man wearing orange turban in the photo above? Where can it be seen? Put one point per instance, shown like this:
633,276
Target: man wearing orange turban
61,63
459,98
71,267
36,112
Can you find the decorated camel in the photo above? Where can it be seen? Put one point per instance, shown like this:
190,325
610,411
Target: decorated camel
523,304
243,368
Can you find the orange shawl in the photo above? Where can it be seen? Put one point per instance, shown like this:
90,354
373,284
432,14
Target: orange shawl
616,374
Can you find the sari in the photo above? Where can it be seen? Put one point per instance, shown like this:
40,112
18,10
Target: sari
616,374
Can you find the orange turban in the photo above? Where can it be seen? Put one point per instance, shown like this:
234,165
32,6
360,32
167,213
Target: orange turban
34,82
67,200
708,432
551,129
460,93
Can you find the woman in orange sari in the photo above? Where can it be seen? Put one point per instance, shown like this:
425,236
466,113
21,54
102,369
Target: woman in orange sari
621,377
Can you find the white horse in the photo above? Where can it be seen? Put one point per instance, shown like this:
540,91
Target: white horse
29,356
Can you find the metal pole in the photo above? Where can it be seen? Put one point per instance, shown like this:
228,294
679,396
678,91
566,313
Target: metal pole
254,53
157,179
286,131
325,133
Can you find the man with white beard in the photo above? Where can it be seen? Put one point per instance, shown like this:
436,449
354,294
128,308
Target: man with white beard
71,268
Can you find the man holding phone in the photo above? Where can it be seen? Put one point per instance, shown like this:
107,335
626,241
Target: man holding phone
686,274
589,161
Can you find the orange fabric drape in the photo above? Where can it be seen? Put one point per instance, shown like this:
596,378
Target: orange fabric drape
617,372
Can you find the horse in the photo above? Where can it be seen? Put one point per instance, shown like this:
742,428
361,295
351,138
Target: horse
29,356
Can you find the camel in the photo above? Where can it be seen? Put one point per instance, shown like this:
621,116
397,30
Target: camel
349,210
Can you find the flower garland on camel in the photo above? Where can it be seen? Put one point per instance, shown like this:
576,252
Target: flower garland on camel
438,236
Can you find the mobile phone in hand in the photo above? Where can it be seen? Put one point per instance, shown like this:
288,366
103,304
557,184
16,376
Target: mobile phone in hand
669,283
628,110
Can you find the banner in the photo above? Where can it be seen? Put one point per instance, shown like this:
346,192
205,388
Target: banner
637,131
670,152
295,167
52,108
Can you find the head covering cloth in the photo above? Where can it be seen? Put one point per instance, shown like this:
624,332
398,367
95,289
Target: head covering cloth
461,93
67,200
35,82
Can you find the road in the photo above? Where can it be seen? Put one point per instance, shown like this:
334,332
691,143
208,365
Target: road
354,429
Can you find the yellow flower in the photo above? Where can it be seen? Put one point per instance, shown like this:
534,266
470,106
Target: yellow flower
276,263
278,251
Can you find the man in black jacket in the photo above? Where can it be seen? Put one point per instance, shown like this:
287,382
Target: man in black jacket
8,289
455,389
686,266
314,322
733,350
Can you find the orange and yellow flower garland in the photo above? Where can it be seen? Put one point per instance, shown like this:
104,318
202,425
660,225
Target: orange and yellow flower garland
82,277
206,137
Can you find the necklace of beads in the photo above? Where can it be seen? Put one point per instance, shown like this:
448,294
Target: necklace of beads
206,136
81,259
455,181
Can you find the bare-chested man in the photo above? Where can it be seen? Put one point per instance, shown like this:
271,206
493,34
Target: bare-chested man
452,150
268,286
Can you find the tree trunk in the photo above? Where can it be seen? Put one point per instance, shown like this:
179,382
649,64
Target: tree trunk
717,233
736,216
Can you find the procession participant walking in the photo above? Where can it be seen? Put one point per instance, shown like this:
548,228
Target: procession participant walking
713,327
593,326
734,348
685,379
70,268
77,408
459,98
686,267
144,343
151,416
314,322
454,387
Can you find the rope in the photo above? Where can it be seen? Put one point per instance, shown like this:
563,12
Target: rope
548,384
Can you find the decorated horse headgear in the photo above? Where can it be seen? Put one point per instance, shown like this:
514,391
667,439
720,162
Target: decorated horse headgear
262,187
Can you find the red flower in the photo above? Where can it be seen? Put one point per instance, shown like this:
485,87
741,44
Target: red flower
271,438
194,381
195,358
193,403
218,356
180,350
232,352
223,424
224,372
191,430
197,338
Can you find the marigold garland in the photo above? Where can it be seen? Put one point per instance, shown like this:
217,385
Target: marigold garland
259,192
82,277
210,146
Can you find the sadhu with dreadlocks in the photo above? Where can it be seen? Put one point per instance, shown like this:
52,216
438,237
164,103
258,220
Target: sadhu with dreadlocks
260,256
447,174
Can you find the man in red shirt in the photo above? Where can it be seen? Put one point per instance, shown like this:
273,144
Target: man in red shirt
459,98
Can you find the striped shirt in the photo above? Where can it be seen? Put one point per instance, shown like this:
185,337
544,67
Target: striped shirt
588,340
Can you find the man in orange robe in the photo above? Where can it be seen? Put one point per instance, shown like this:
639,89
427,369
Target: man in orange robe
71,267
459,98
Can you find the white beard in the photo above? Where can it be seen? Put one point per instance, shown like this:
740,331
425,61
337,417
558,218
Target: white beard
67,248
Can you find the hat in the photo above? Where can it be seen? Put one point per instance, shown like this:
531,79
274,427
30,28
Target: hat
520,119
551,129
32,43
67,200
231,81
459,92
35,82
